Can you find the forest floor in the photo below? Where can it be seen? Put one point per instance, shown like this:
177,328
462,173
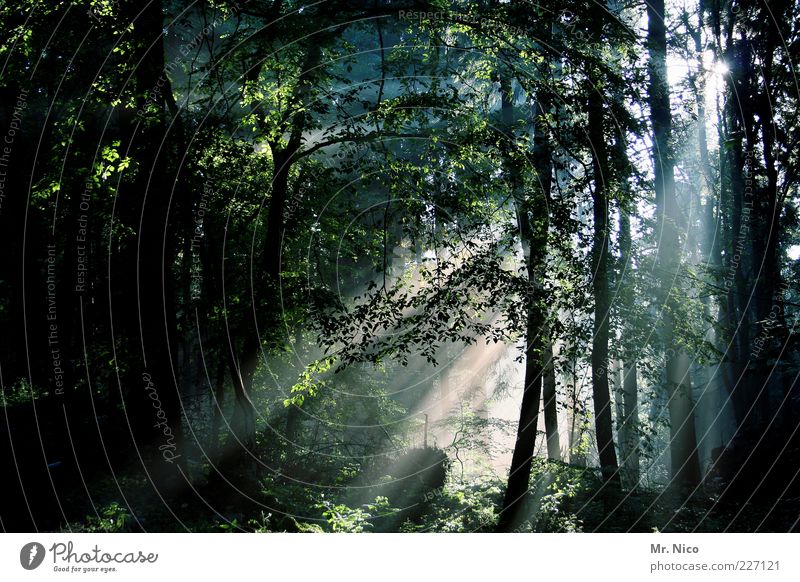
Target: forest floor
563,498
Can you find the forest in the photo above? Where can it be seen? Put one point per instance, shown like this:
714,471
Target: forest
399,266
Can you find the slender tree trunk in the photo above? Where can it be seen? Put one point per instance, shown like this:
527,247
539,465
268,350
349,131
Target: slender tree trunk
630,408
577,418
551,406
522,458
726,309
243,424
600,250
266,286
737,254
767,211
683,441
711,215
533,234
629,444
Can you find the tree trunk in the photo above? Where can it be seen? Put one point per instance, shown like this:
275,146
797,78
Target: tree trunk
766,229
533,234
243,423
522,458
630,420
683,442
600,250
629,441
550,406
265,290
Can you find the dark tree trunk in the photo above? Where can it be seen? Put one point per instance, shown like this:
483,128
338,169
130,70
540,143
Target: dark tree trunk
600,250
738,257
524,448
533,234
265,290
766,228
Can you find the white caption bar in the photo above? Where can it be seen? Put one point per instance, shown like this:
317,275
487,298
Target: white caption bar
355,557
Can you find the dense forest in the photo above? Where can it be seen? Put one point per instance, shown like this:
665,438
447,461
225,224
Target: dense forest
398,265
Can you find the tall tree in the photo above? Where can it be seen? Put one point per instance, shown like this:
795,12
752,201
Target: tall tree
601,175
629,429
550,396
683,440
533,236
